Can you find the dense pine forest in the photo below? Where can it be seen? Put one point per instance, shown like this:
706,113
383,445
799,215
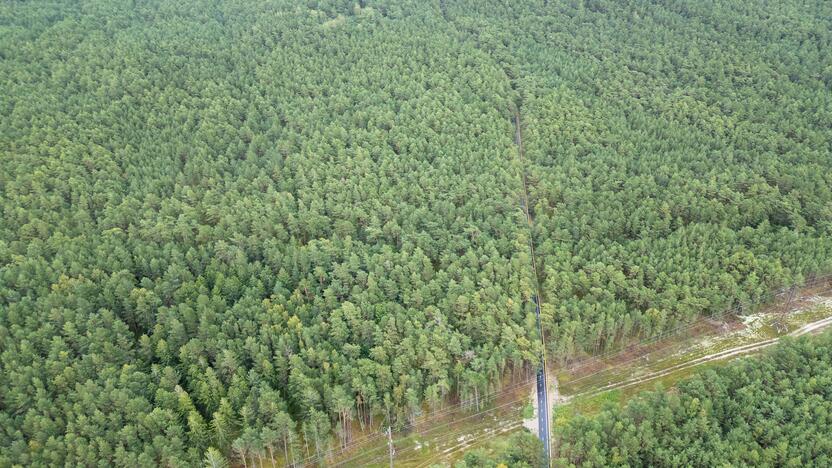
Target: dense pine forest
239,230
768,411
679,153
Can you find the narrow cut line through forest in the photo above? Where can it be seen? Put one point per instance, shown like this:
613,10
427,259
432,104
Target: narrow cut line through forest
288,232
542,387
798,313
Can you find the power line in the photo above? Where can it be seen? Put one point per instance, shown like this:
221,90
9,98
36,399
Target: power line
474,440
422,420
435,428
674,331
620,363
458,432
749,348
744,349
596,359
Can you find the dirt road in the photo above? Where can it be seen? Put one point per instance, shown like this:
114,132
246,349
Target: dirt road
728,353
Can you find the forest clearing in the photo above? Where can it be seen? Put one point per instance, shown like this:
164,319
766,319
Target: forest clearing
585,388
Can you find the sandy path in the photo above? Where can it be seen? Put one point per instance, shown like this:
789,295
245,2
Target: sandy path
739,350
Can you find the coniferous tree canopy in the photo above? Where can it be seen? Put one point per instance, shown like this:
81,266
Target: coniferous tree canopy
772,410
240,229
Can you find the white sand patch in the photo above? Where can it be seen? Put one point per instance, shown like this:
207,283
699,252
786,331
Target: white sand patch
820,301
753,320
752,324
531,423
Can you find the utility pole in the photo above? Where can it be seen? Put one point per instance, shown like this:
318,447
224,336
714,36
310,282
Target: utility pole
390,447
791,296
